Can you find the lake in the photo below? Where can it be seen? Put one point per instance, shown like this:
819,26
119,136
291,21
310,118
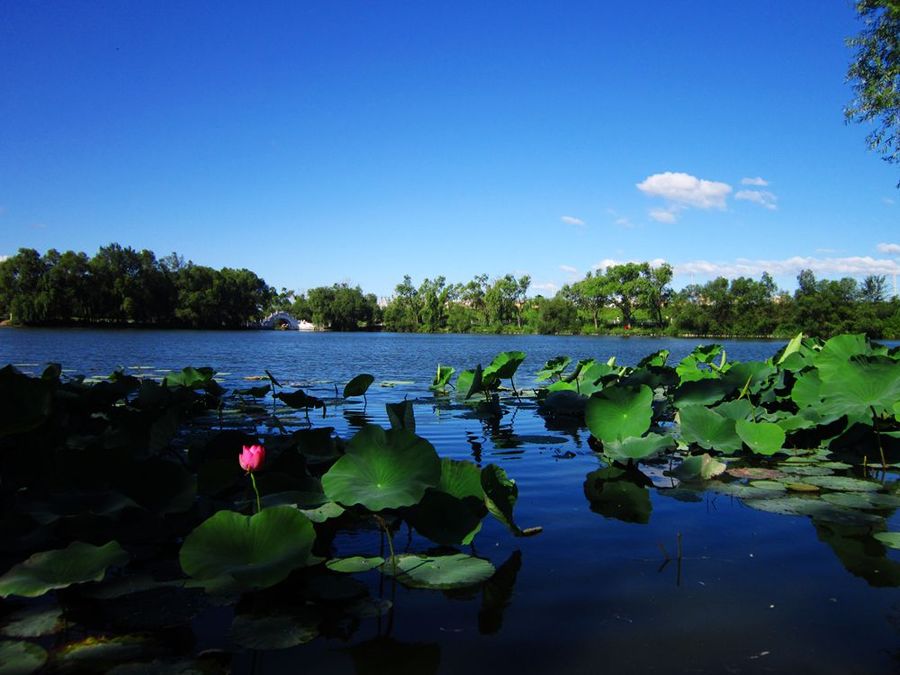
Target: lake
599,589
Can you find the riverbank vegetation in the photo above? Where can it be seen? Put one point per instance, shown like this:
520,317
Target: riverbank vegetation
121,286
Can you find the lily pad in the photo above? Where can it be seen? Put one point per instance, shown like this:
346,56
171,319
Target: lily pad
438,572
890,539
32,622
637,448
21,658
383,470
619,412
48,570
354,564
277,630
234,552
843,483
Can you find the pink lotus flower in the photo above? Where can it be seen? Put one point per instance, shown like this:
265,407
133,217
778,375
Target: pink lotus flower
252,457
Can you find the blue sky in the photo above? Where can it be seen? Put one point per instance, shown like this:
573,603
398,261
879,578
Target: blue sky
317,142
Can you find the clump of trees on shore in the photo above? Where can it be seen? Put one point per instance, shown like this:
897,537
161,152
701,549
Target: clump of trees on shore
123,286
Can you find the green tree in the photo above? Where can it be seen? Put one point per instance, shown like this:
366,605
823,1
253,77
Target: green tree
626,286
589,295
873,289
656,290
875,76
557,315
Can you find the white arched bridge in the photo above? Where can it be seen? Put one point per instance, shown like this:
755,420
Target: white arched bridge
281,319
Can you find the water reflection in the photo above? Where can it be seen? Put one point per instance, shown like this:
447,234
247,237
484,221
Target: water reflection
620,493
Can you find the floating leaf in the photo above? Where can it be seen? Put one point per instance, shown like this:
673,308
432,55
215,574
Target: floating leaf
354,564
768,485
702,466
277,630
21,658
383,470
843,483
637,448
32,622
763,438
231,551
889,539
48,570
359,385
320,514
438,572
619,412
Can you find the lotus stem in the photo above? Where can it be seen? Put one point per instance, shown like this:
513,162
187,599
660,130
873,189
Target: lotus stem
390,541
878,436
253,482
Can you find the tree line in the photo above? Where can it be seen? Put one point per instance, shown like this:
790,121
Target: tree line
124,286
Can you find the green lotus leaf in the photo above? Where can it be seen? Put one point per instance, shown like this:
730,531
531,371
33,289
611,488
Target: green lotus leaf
322,513
32,622
234,552
460,478
469,383
190,378
442,377
620,494
811,506
861,385
837,351
897,411
553,368
705,391
862,500
443,572
770,485
504,365
401,415
637,447
702,466
708,429
619,412
763,438
792,347
276,630
843,483
359,385
656,359
500,495
889,539
48,570
21,658
807,390
383,470
739,409
354,564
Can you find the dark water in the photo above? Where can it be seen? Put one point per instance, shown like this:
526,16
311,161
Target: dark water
754,591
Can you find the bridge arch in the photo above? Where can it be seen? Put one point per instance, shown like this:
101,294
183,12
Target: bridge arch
277,319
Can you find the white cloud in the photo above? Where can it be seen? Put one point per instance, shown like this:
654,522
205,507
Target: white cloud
761,182
849,266
889,248
686,190
572,220
669,215
568,269
761,197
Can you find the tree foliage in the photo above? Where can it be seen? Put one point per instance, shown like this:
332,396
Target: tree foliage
875,76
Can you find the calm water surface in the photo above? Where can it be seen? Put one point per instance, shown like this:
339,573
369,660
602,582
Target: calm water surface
755,592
